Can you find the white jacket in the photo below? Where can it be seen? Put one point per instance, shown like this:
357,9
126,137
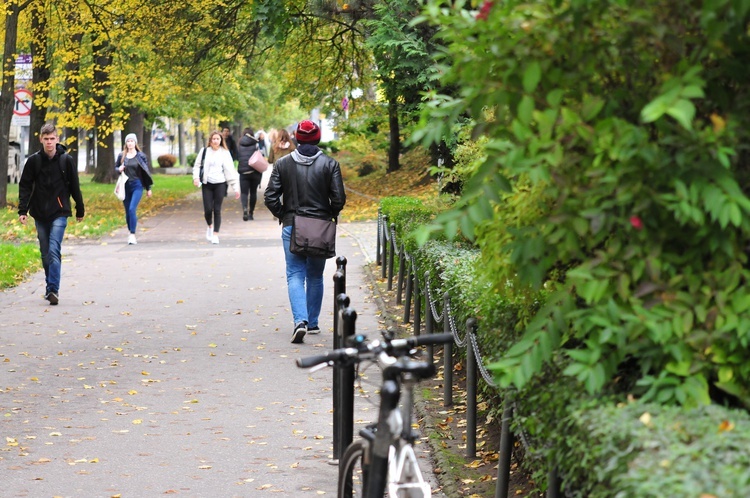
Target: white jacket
226,173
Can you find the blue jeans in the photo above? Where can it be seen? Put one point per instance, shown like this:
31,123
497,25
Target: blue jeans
304,280
50,235
133,195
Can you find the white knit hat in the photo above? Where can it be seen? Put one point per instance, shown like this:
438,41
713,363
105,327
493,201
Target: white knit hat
131,135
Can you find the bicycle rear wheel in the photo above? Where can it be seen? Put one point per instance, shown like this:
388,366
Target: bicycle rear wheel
353,471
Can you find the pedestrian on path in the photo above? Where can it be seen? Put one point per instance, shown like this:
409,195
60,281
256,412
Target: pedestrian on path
48,181
320,188
134,164
281,145
249,177
229,142
214,171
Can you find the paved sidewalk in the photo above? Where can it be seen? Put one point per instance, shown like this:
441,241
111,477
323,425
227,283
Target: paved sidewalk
167,367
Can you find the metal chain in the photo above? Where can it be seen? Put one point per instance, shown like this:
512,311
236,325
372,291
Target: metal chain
480,363
428,294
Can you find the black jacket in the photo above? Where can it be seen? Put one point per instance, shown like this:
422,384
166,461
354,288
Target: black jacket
231,146
47,184
319,186
247,146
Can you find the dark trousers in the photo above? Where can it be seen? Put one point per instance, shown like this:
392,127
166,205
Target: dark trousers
213,198
249,185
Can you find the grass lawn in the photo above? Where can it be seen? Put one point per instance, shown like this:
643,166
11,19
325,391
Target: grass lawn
19,253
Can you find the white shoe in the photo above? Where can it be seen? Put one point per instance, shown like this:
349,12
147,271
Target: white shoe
131,239
215,239
209,233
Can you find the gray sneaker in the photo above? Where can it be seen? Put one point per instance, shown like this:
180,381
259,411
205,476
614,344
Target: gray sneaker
299,333
52,298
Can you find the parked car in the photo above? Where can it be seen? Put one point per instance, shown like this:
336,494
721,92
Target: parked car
159,136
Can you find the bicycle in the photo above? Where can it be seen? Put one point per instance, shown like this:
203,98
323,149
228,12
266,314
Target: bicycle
384,457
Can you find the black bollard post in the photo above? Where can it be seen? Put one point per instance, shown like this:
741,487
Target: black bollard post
429,320
347,384
378,242
391,256
342,302
384,247
506,448
553,483
417,306
447,357
401,271
407,304
471,392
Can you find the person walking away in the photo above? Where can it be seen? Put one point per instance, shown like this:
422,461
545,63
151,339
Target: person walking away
320,189
249,177
261,137
134,164
49,179
280,146
212,171
231,145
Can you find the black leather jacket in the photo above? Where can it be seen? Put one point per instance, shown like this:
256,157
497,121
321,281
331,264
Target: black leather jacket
319,186
247,146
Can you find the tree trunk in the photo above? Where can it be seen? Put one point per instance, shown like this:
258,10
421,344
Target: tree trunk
134,124
394,150
105,139
40,73
6,95
146,146
72,68
181,142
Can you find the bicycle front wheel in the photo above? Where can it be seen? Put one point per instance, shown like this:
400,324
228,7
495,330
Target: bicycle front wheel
353,471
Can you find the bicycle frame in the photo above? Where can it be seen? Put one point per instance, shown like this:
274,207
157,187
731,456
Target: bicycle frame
393,463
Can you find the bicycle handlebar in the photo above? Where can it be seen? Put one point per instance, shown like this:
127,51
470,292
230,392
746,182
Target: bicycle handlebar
335,356
394,347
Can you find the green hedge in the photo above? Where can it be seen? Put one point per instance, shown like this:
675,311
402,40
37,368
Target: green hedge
601,449
648,450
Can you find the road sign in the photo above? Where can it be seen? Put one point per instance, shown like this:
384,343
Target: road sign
22,104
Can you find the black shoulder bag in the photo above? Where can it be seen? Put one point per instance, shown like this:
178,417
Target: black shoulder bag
311,237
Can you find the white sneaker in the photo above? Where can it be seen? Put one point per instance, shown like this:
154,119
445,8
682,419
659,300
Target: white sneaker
209,233
131,239
214,239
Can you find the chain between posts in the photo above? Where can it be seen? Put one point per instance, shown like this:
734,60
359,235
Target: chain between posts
388,241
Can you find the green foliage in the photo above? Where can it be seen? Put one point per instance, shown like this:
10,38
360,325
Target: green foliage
655,451
612,180
190,159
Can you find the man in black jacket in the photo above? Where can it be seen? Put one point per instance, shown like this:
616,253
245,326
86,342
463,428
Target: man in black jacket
320,192
48,180
229,141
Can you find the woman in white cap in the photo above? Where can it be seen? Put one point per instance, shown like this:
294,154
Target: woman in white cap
134,164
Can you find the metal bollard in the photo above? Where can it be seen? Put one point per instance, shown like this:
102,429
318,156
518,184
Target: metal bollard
384,247
401,271
342,302
553,483
378,243
447,357
407,304
506,448
417,307
471,392
391,255
349,316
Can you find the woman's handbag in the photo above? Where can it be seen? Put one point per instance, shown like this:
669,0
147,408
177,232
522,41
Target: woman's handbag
120,186
258,162
313,237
